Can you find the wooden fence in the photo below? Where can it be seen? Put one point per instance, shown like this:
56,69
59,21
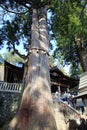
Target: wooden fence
10,87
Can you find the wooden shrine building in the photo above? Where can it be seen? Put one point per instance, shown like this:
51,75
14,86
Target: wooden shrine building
82,90
59,81
11,73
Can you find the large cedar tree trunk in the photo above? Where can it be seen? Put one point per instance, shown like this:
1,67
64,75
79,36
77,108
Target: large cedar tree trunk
36,108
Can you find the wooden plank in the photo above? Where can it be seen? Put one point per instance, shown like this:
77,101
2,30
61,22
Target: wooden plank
83,80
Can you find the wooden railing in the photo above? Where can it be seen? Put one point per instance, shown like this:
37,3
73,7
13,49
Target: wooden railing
10,87
70,112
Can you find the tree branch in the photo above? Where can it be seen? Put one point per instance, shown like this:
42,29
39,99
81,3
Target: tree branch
82,11
17,52
21,2
13,11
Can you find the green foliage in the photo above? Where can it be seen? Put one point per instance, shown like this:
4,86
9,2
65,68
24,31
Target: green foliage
69,22
75,72
15,29
0,56
12,58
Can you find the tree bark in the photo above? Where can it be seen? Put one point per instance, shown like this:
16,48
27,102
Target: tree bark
83,59
82,53
36,108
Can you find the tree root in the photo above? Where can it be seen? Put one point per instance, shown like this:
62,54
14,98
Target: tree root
13,124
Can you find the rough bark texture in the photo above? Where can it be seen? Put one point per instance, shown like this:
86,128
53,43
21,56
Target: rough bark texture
36,109
83,59
82,53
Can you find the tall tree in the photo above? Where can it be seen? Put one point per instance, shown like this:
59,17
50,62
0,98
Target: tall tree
69,24
29,27
36,110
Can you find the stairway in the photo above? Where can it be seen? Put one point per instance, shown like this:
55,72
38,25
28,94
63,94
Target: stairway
59,117
64,114
62,111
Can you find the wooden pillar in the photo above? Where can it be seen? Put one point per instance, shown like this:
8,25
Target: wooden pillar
67,89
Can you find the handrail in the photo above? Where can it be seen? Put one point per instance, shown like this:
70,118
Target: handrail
71,112
65,104
10,87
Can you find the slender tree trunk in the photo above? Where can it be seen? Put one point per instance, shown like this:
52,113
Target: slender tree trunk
36,109
83,59
82,53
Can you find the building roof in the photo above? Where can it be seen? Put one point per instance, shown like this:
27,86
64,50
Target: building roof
63,79
82,86
1,61
13,73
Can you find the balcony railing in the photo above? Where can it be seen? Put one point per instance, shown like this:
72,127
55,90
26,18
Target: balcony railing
10,87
